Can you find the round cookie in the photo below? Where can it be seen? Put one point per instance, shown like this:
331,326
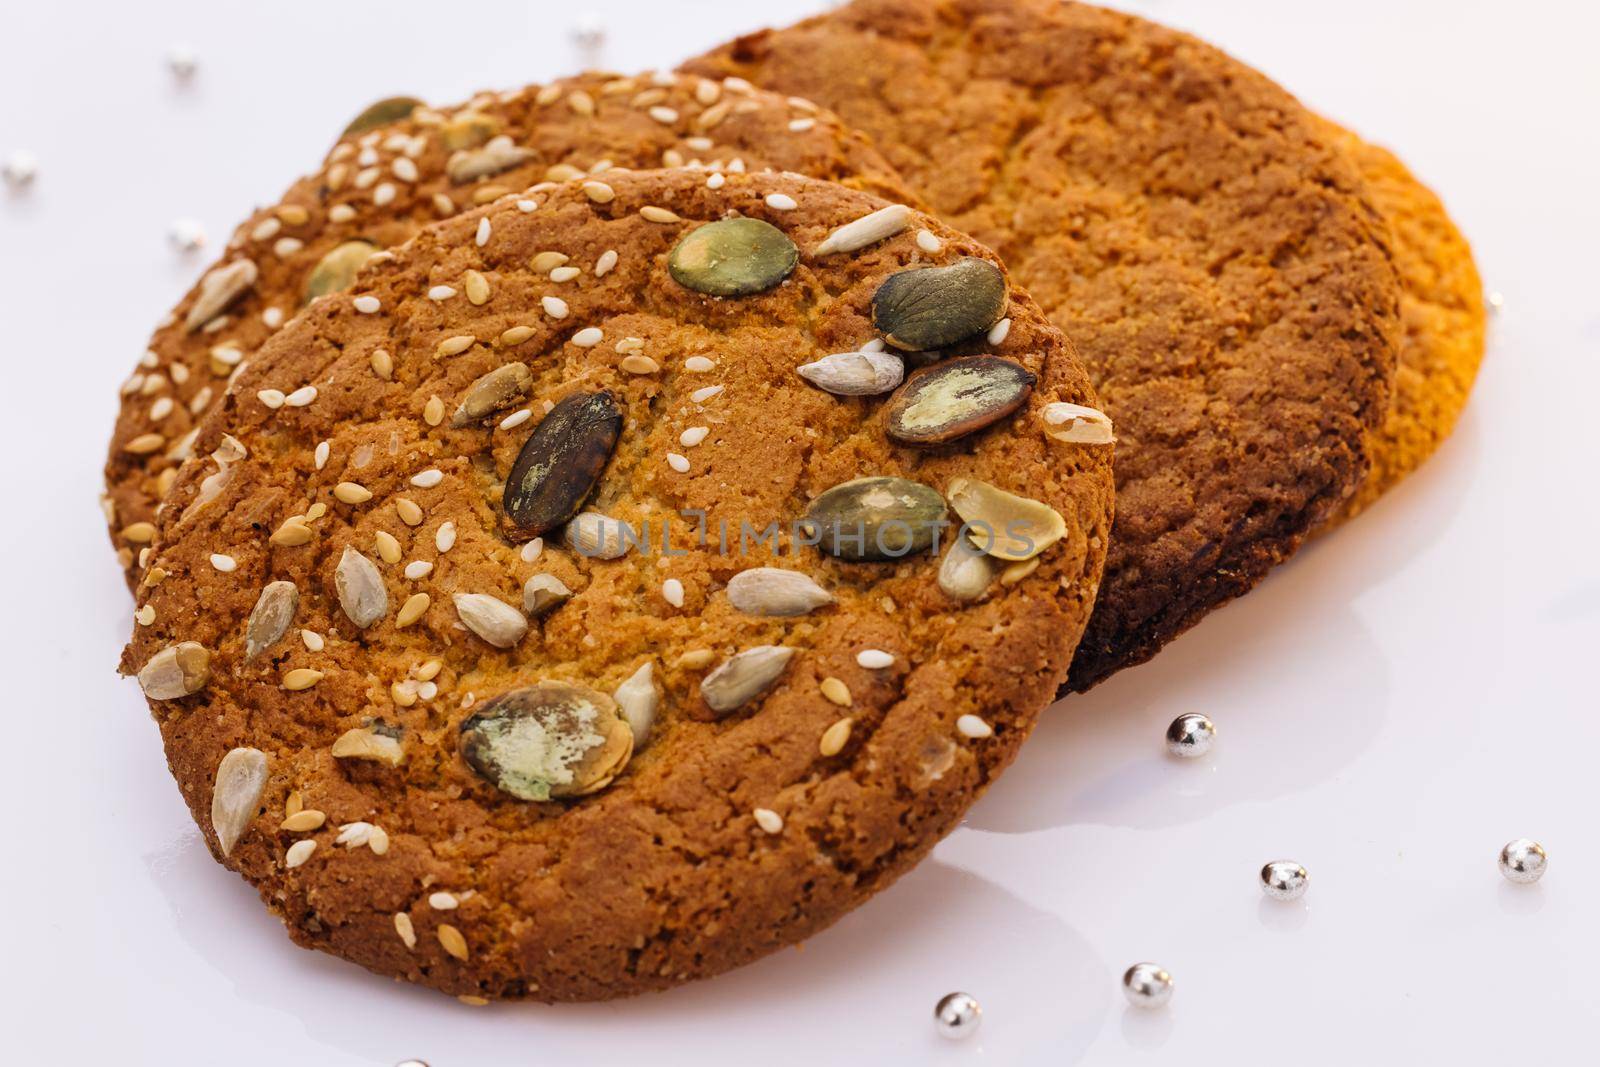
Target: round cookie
368,681
1441,306
1199,236
380,184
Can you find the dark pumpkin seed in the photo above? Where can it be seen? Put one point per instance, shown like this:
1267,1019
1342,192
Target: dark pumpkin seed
733,257
957,397
390,109
335,271
561,462
875,519
930,307
552,739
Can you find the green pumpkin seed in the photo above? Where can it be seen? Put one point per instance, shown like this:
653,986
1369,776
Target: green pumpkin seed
957,397
930,307
875,519
561,462
552,739
390,109
335,271
734,257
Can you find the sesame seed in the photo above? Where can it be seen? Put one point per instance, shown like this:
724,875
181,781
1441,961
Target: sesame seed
874,659
412,609
693,436
599,192
301,396
272,318
388,547
443,901
383,194
354,834
781,202
700,396
532,550
515,419
445,538
341,213
483,232
603,265
223,563
698,364
637,364
454,346
768,820
652,213
441,292
975,727
716,181
834,738
707,91
320,455
564,274
409,512
404,169
800,103
516,335
299,852
284,247
664,115
382,363
449,937
304,821
403,927
266,229
145,615
874,345
678,463
554,306
352,493
313,641
477,287
699,144
367,305
672,592
161,409
443,204
301,678
836,691
587,337
998,332
418,569
427,479
801,125
271,398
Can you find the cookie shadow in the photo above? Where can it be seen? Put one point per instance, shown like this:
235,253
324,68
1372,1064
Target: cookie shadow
870,982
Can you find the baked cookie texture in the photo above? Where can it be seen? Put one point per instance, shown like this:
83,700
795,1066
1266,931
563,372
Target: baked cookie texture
379,185
325,761
1441,307
1206,243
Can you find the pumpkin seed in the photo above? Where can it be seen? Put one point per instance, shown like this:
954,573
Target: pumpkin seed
875,518
360,587
560,463
965,573
733,257
241,777
542,593
638,698
469,129
855,373
270,618
743,677
774,591
930,307
957,397
496,156
492,619
1076,424
377,741
597,536
1002,524
178,670
551,739
218,289
390,109
498,389
335,271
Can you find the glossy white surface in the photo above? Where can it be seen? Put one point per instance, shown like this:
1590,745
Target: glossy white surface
1391,708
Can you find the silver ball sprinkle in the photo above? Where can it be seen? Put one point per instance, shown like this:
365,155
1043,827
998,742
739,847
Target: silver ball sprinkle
186,235
1523,861
20,168
1284,880
182,61
1191,735
957,1015
1147,985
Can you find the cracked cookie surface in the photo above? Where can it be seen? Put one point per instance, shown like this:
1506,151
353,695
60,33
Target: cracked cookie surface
794,739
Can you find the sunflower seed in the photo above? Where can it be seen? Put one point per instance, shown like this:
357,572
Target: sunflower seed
956,397
733,257
360,588
774,591
931,307
378,742
176,671
218,289
875,518
854,373
1076,424
638,698
965,573
500,388
335,271
868,229
388,110
241,777
492,619
543,593
1002,524
560,462
552,739
596,536
743,677
270,618
498,155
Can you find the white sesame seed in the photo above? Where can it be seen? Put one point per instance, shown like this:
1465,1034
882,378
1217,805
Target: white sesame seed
672,592
284,247
564,274
651,213
603,265
599,192
874,659
266,229
445,538
928,242
161,408
874,345
588,337
532,549
801,125
973,726
428,690
781,202
515,419
664,115
769,820
301,396
700,396
698,364
554,306
427,479
483,232
367,305
699,144
320,456
313,641
368,157
678,463
383,194
341,213
693,436
299,852
441,292
527,207
272,318
442,901
716,181
418,569
998,332
404,169
272,398
223,563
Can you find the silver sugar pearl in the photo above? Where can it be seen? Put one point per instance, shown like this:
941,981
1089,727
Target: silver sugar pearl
186,235
957,1015
182,61
1191,735
1523,861
1147,985
1284,880
20,168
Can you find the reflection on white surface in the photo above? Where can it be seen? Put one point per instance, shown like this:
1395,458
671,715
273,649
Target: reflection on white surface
1392,707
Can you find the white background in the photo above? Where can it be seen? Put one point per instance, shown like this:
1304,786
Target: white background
1393,706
